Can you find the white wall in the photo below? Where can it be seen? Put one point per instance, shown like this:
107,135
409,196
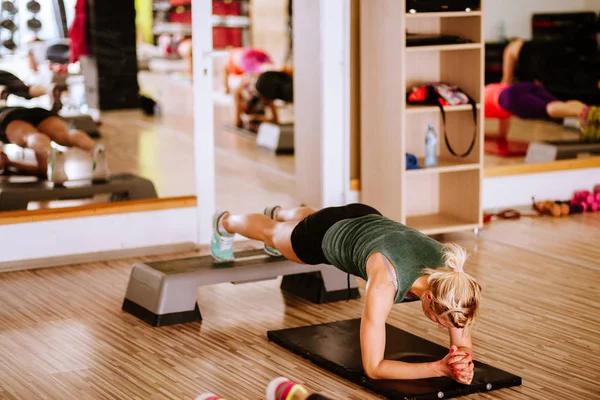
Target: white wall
516,14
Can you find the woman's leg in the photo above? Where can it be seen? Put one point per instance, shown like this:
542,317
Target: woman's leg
292,214
526,100
26,135
238,100
259,227
58,131
565,109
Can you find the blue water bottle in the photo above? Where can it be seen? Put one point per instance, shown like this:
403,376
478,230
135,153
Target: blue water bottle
431,147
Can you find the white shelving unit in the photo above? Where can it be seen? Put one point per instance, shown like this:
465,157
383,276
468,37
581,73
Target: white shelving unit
437,200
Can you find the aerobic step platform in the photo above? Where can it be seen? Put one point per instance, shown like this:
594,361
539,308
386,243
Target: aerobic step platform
165,292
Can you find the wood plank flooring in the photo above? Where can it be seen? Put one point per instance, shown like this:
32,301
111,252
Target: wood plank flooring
63,334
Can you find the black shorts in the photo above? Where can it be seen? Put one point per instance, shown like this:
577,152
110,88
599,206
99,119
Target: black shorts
33,116
307,236
14,85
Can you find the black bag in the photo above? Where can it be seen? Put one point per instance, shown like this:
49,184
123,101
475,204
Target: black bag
440,94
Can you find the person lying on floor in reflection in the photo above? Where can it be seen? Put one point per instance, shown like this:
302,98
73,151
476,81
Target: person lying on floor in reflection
36,129
259,93
528,100
396,261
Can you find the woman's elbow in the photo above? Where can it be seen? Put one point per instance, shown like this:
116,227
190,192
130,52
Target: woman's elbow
372,370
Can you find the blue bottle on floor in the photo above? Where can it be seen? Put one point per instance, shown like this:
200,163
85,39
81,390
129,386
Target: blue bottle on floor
431,147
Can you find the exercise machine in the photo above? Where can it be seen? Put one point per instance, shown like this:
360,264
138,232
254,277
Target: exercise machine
165,292
335,347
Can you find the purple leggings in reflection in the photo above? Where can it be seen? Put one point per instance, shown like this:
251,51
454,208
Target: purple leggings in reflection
526,100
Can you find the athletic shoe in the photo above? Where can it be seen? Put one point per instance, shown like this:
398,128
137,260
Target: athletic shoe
590,124
284,389
221,246
270,212
100,171
209,396
56,167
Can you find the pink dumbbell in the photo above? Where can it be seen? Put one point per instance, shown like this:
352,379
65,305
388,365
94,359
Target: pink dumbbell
584,205
594,206
590,199
582,194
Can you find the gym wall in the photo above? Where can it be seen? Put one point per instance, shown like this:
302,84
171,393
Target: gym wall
269,27
516,16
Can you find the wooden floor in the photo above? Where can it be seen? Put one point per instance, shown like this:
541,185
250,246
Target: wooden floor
63,334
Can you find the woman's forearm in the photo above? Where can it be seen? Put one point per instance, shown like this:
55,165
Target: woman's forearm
389,369
26,168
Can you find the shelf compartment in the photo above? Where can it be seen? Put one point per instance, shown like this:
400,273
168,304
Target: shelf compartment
460,129
468,27
445,165
445,14
443,201
433,224
460,68
445,47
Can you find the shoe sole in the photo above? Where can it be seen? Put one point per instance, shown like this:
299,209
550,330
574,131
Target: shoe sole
273,385
219,260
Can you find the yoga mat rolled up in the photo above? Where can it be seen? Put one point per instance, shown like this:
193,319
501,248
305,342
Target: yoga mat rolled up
411,161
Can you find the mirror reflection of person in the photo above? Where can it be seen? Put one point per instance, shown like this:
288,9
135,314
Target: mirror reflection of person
10,84
528,100
36,129
246,62
258,94
532,71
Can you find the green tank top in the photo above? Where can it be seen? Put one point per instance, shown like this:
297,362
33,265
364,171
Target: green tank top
349,243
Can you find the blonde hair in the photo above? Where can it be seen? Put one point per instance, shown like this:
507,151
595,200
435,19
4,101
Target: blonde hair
456,294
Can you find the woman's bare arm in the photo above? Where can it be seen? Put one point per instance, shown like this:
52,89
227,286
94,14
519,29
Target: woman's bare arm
379,300
510,60
378,303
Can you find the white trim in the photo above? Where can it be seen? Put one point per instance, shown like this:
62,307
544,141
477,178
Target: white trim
335,84
82,237
517,190
204,146
347,96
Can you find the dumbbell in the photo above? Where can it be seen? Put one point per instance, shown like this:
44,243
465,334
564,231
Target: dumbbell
575,208
581,195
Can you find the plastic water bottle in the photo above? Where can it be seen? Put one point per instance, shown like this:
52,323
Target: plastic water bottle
431,139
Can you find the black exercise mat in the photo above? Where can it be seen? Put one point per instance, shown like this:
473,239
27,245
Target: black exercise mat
336,347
